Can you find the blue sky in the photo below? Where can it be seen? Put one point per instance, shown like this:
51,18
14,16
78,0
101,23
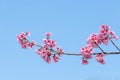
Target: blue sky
71,22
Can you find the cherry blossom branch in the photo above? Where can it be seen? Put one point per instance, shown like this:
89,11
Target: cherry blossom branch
73,54
49,51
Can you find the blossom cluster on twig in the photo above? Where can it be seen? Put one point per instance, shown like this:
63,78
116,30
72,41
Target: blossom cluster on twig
50,52
102,37
46,51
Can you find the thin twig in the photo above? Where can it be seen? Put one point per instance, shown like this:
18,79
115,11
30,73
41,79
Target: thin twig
73,54
114,44
100,48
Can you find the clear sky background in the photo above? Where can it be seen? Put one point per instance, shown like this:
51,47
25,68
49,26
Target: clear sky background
71,22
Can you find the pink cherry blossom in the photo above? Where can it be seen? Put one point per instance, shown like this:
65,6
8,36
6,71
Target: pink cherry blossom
48,60
86,52
22,39
113,35
84,61
44,53
49,43
47,51
48,34
104,39
101,37
27,34
47,54
104,30
59,51
105,33
50,52
94,40
31,44
55,58
100,58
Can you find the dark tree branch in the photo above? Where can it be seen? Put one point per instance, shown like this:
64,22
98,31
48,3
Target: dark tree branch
114,44
73,54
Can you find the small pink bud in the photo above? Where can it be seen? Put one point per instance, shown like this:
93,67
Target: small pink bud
100,58
27,34
84,61
48,34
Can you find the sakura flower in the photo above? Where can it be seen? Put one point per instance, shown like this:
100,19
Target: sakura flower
47,50
86,52
48,60
48,34
31,44
100,58
59,51
47,54
94,40
49,43
27,34
21,38
101,37
104,34
113,35
53,43
104,39
38,51
104,30
44,53
84,61
55,58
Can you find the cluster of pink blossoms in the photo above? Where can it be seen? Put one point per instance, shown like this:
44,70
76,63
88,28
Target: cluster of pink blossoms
102,37
22,39
47,51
